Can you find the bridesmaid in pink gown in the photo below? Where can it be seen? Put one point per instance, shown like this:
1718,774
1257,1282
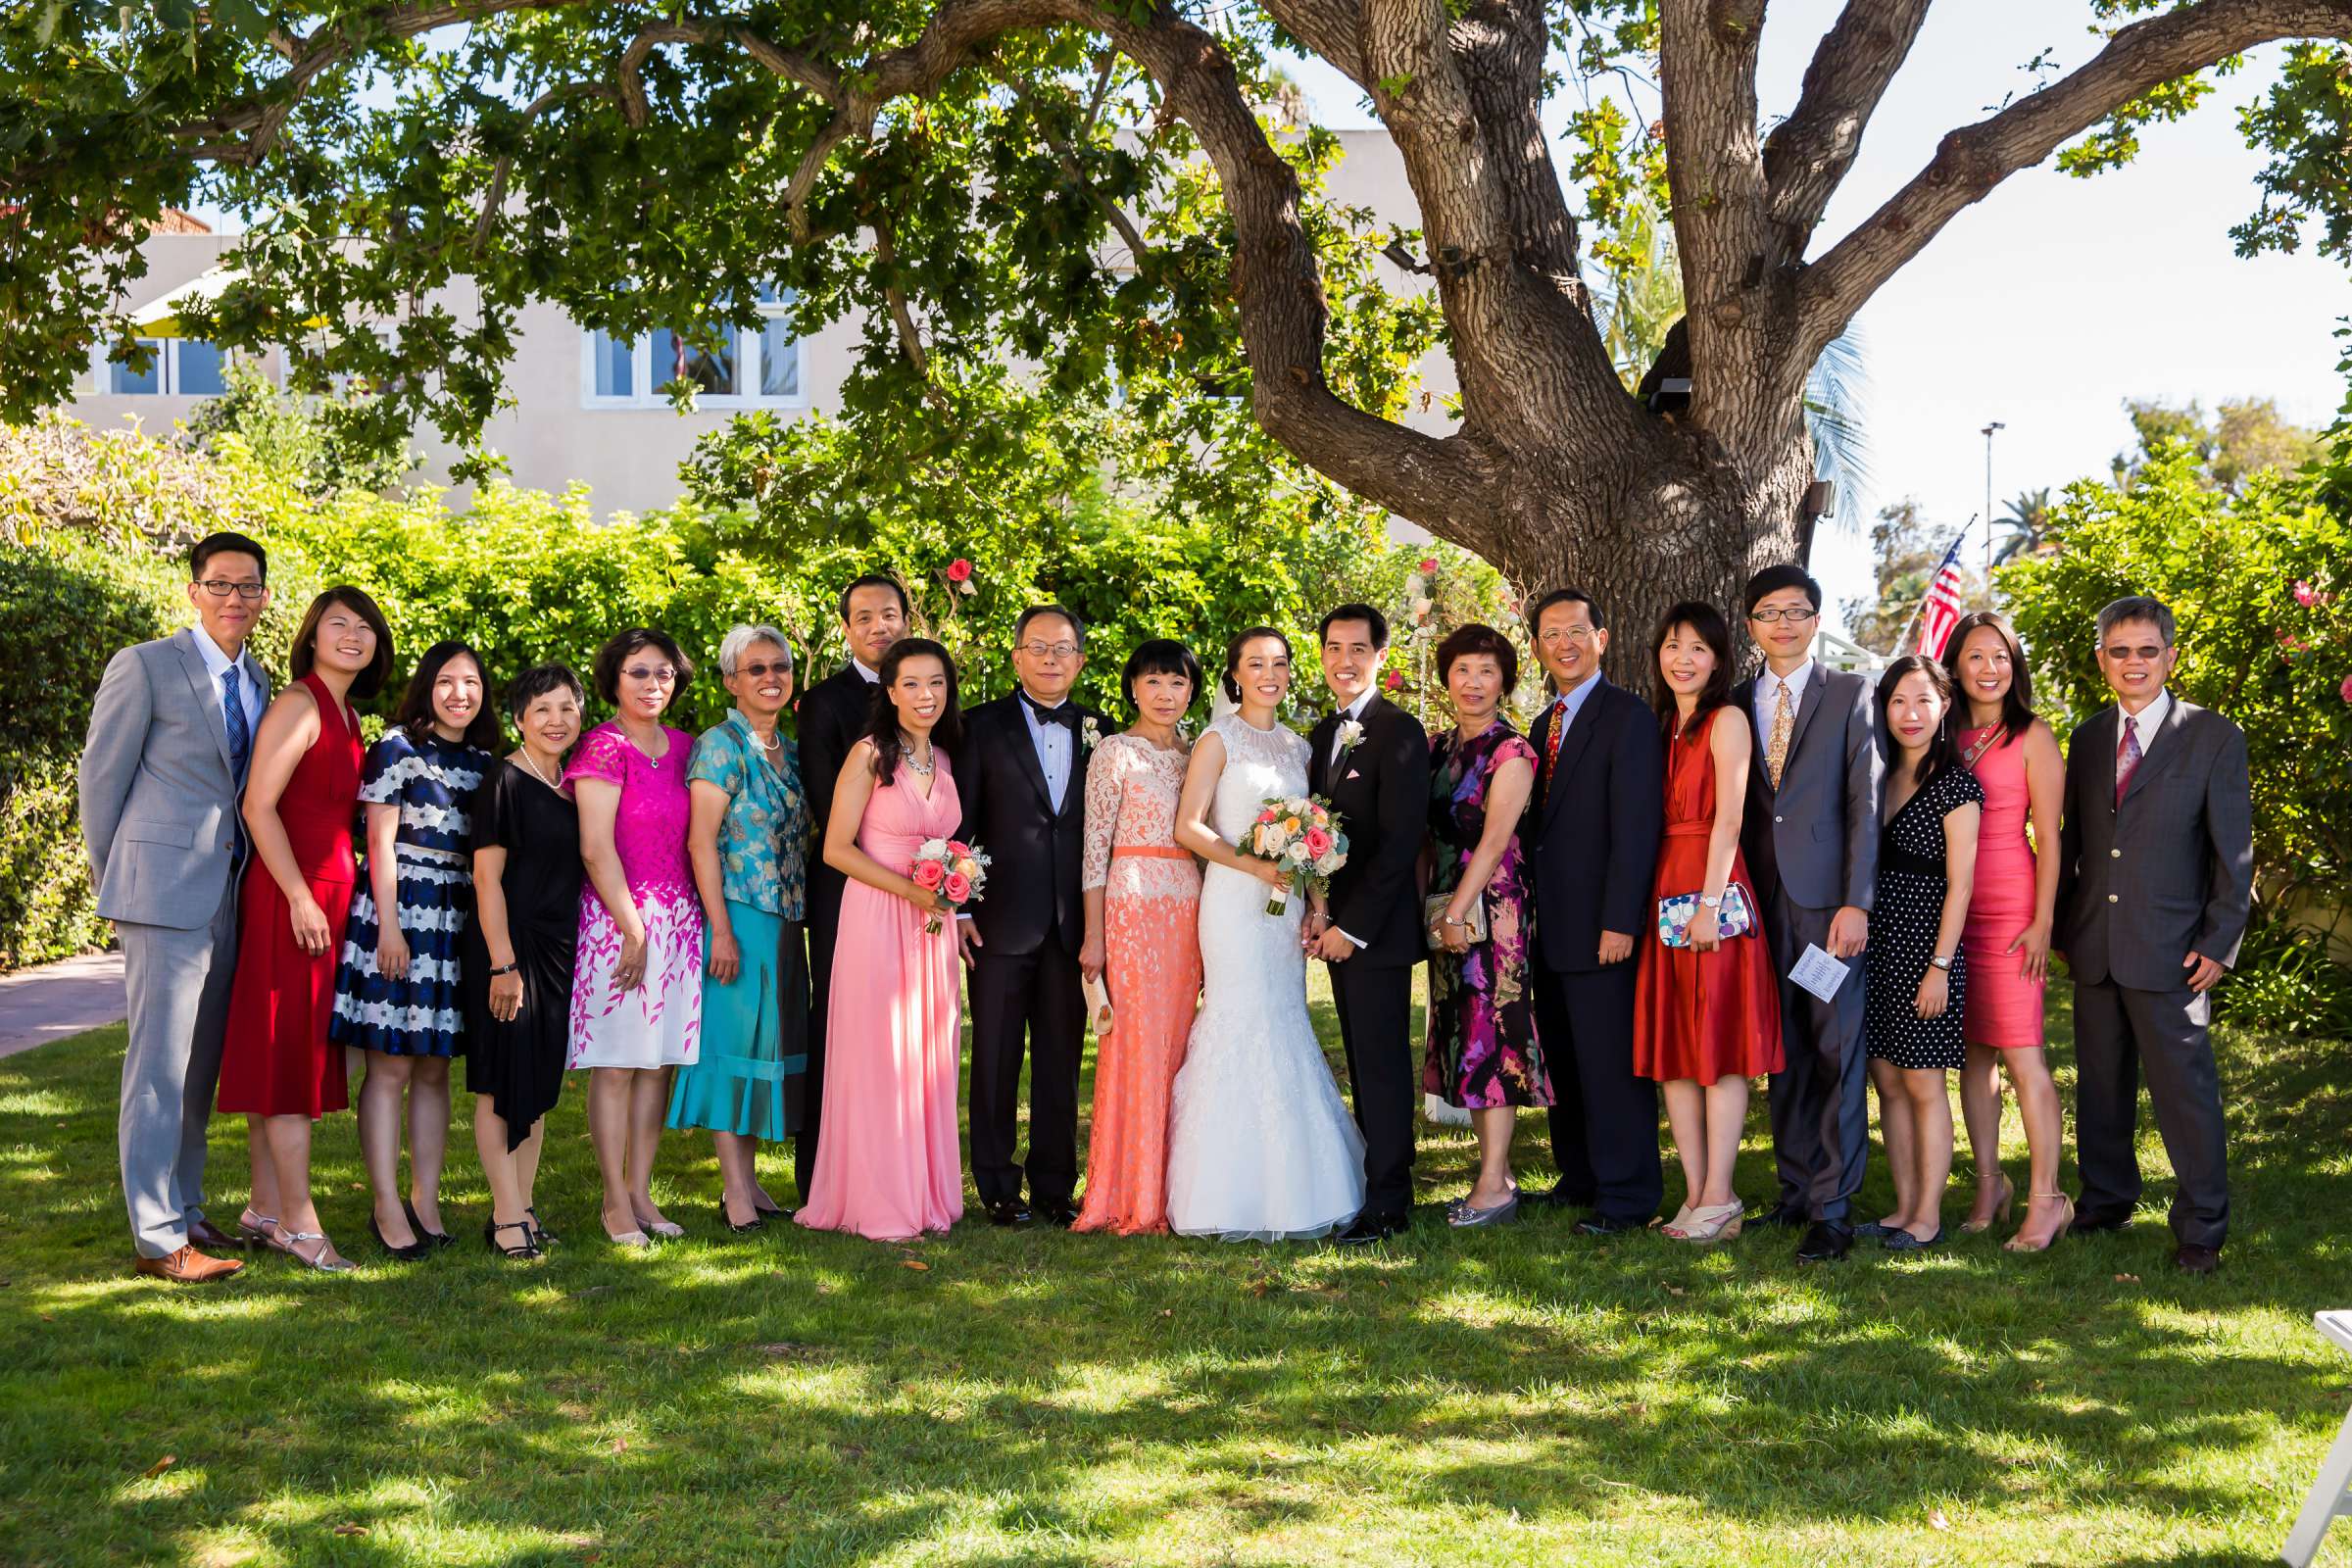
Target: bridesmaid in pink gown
1143,938
2007,938
889,1163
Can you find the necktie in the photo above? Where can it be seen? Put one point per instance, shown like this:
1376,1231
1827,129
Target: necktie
232,714
2127,759
1784,723
1559,727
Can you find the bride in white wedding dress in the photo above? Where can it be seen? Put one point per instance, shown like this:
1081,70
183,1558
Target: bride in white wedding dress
1260,1145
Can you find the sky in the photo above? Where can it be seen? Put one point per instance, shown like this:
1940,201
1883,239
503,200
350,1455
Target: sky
2050,301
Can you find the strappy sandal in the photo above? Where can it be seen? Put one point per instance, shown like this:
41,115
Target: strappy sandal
2000,1211
255,1226
530,1248
540,1233
1715,1222
2065,1223
291,1243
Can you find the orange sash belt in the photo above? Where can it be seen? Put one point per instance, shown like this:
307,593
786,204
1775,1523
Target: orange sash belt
1150,851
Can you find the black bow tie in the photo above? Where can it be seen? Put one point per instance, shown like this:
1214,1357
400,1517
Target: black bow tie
1064,714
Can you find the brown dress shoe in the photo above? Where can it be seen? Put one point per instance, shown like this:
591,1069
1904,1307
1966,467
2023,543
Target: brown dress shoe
204,1233
188,1266
2196,1259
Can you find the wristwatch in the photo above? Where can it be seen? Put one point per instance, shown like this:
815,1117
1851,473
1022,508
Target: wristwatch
1715,902
1942,962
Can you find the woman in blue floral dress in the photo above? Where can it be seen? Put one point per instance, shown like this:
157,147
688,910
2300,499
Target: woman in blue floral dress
1483,1054
749,841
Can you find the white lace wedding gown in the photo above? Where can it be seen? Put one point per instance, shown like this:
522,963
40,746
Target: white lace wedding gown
1260,1145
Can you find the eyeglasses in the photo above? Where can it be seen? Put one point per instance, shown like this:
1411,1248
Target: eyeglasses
761,671
221,588
1050,650
1770,616
2146,654
659,676
1566,634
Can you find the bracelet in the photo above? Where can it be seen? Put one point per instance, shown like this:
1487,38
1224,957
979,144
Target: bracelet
1941,961
504,968
1450,921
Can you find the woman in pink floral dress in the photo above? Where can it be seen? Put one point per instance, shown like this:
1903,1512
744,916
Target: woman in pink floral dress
1143,938
637,1002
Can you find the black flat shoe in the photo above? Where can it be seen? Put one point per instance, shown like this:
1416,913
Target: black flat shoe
540,1233
407,1255
1899,1241
1369,1230
2095,1224
771,1214
1874,1230
1605,1225
758,1221
1778,1216
1060,1212
431,1237
527,1249
1010,1212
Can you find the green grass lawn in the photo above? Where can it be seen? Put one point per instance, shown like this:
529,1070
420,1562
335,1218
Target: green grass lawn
1514,1396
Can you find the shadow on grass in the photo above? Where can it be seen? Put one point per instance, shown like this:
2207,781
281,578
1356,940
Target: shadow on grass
1032,1396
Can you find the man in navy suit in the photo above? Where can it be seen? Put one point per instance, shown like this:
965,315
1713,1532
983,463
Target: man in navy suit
1593,839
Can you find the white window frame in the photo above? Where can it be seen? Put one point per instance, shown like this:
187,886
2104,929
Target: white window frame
165,371
646,393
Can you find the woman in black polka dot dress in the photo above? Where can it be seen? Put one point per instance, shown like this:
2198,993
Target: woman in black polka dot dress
1917,975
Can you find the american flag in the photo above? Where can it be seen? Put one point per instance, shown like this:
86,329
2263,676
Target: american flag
1942,610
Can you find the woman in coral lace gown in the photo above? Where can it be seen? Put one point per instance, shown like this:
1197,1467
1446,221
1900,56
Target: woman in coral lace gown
889,1165
1143,940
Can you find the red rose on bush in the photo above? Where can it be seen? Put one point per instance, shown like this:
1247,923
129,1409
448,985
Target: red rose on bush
927,874
1429,564
959,570
1395,678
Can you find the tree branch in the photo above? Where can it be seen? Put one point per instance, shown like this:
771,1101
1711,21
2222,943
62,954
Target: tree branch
1808,154
1333,29
1972,161
1067,157
902,315
503,168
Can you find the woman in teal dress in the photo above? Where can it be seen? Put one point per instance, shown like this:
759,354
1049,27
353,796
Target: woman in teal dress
749,842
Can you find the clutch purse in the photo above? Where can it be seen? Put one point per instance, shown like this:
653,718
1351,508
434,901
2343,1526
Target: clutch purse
1097,1005
1433,920
1675,915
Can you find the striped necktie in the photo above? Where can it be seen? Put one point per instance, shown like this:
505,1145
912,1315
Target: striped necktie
2127,759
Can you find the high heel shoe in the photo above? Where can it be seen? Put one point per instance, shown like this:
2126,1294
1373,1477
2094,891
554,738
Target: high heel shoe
322,1259
529,1248
256,1228
2018,1244
1711,1222
540,1233
2000,1211
407,1255
430,1238
758,1221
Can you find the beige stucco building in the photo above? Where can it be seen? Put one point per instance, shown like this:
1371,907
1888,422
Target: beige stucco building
585,409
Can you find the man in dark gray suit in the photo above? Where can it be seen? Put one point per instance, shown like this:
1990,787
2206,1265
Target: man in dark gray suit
2156,874
170,735
1811,837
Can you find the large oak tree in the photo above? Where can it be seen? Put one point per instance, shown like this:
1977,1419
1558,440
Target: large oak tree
964,171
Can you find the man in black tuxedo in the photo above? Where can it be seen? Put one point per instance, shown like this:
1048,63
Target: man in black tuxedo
831,717
1023,776
1371,762
2155,878
1593,834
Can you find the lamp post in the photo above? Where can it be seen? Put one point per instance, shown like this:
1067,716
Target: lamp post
1988,430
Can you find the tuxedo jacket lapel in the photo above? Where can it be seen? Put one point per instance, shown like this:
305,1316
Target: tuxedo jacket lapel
1024,747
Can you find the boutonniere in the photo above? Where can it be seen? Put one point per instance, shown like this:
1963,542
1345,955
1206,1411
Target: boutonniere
1090,734
1350,731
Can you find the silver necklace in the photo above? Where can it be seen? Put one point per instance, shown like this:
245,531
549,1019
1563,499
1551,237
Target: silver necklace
923,768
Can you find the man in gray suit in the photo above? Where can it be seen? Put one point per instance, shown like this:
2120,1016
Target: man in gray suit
2156,874
170,734
1811,837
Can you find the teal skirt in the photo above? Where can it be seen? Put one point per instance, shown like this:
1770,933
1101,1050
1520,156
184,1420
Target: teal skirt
749,1075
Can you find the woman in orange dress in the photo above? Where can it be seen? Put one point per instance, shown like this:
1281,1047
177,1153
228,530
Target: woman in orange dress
1143,940
1706,1009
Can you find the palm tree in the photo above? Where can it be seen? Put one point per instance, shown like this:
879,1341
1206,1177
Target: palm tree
2028,526
1639,312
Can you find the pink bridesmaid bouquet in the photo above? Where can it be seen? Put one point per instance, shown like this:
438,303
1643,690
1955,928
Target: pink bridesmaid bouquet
956,870
1301,834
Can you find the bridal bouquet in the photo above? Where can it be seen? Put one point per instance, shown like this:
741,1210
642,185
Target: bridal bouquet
1301,834
953,868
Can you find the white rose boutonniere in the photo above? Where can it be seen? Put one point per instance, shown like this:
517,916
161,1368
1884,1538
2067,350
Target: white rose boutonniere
1090,735
1350,732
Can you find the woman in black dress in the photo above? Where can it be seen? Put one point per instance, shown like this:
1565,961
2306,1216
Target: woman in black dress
1917,976
518,960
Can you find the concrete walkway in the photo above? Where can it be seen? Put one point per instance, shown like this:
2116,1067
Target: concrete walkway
57,1000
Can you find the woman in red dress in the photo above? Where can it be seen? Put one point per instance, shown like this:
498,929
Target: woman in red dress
300,799
1706,1013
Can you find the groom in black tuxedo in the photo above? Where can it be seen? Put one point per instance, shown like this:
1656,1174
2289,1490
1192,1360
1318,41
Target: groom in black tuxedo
1023,776
1371,762
831,716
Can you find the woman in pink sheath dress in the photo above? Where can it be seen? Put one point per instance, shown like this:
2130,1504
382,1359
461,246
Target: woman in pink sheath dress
2007,938
889,1166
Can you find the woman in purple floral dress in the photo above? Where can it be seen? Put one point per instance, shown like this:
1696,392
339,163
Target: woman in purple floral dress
1483,1051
